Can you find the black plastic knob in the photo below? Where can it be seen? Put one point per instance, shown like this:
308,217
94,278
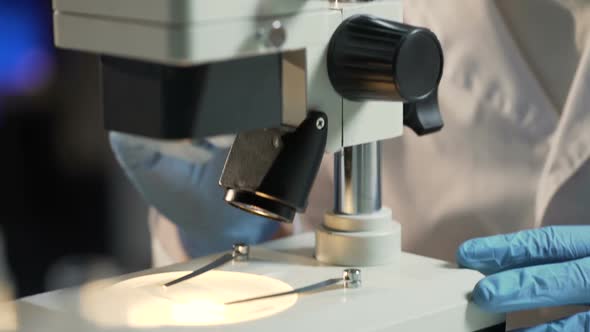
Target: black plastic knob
375,59
423,117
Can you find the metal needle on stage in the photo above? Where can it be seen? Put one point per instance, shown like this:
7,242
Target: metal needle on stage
350,277
309,288
240,252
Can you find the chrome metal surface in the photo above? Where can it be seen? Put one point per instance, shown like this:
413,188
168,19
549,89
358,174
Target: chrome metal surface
352,278
305,289
241,252
357,178
215,264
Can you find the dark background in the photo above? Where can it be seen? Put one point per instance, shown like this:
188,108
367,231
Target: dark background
67,212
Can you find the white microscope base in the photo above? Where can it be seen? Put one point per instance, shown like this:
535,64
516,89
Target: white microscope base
419,294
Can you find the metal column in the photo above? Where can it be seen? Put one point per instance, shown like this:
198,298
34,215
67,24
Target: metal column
357,178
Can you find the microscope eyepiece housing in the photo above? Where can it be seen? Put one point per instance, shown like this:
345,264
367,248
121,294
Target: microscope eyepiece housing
270,172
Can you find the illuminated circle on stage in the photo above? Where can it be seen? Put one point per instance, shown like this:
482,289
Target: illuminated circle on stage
144,301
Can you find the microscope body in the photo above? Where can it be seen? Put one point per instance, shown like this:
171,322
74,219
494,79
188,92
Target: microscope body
190,69
186,69
188,34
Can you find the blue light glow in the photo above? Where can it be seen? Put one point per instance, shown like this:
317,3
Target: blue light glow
25,56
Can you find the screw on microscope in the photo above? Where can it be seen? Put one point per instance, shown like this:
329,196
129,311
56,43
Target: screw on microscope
277,34
241,252
273,36
352,278
320,123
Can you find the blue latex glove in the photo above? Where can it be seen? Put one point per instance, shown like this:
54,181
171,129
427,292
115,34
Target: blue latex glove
181,180
531,269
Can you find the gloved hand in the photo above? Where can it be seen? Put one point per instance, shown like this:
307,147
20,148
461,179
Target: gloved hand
532,269
181,180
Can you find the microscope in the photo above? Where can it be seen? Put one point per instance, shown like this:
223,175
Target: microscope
294,80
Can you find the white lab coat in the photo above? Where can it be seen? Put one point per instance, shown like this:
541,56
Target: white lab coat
512,154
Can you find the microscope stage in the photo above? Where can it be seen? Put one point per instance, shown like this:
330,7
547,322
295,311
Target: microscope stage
417,294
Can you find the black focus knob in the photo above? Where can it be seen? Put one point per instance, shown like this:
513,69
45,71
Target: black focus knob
375,59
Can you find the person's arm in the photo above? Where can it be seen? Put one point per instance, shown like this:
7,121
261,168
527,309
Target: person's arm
546,267
181,180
